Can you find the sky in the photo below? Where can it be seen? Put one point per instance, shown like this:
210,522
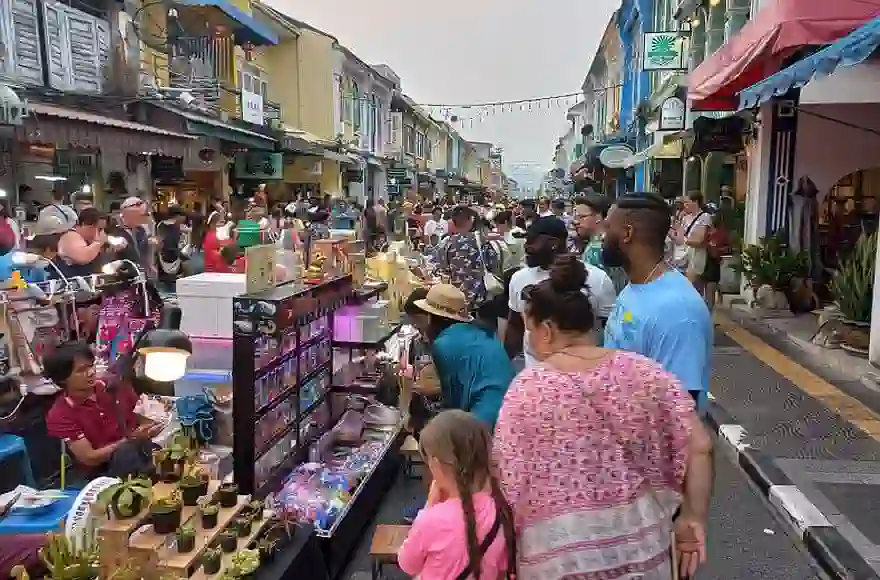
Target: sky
474,51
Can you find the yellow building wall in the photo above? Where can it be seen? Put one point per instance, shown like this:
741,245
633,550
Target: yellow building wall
330,178
316,102
153,24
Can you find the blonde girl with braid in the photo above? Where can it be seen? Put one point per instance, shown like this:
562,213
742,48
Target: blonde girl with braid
466,529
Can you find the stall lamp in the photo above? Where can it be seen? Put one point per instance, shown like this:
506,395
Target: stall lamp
165,349
3,194
115,266
87,188
50,177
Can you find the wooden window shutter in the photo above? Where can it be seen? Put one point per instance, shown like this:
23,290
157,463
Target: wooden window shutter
26,45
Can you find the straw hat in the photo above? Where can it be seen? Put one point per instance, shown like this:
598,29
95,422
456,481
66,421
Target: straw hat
446,301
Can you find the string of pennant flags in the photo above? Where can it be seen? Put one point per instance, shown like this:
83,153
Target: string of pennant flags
467,115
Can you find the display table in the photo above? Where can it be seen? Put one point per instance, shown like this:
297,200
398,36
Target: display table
51,520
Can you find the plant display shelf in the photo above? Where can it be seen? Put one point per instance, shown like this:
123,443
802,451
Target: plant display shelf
132,541
243,543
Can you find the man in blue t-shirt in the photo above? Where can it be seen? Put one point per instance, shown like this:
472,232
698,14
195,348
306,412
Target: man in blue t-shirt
658,314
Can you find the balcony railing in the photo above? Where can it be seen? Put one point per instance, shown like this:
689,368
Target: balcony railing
201,64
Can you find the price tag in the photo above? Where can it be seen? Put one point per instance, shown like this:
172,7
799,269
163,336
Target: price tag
260,268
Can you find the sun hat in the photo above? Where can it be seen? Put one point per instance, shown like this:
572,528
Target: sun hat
446,301
48,224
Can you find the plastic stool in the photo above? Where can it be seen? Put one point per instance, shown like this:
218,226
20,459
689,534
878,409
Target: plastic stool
9,446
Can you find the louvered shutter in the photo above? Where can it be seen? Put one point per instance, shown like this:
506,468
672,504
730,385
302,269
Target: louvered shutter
85,54
57,53
26,44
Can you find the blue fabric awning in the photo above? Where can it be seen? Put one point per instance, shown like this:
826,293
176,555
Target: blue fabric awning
850,50
249,30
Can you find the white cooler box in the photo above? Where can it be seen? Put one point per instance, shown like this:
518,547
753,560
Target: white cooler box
206,302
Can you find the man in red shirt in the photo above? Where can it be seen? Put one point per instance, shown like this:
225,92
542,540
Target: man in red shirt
97,421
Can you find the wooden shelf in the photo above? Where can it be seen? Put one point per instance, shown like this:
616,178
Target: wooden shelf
132,541
242,544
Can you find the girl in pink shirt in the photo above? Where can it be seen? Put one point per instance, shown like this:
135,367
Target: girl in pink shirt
466,528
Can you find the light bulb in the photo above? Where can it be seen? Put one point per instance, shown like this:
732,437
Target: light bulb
87,188
165,366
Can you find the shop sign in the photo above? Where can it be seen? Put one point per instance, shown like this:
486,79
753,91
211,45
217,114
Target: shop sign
251,107
259,272
259,165
664,51
165,168
672,114
722,135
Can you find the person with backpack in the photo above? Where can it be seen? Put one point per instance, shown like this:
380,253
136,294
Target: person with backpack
457,448
718,244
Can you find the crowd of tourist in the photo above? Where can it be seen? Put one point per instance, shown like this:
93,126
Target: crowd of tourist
591,461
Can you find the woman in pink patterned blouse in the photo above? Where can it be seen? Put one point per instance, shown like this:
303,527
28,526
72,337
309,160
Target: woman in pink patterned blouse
598,451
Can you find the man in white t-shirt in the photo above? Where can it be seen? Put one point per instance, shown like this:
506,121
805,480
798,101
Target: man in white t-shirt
546,238
436,226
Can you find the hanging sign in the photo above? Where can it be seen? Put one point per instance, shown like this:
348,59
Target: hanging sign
664,51
251,107
672,114
259,165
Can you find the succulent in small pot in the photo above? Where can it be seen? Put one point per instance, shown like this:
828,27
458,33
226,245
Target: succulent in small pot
193,485
268,547
228,541
208,511
186,538
211,559
255,510
166,513
243,525
127,498
227,495
245,563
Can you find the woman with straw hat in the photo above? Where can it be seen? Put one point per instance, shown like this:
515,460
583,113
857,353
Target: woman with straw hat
472,365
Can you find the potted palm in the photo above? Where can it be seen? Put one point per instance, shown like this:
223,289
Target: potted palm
853,289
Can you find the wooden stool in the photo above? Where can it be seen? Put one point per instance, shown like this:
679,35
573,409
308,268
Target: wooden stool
387,540
411,454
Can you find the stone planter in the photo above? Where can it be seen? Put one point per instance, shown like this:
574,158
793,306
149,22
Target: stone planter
730,278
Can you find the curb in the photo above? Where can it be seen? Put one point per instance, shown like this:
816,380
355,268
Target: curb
834,553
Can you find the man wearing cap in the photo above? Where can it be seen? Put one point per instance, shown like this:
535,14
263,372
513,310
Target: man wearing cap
545,239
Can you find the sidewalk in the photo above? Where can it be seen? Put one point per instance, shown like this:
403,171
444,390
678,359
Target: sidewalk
808,435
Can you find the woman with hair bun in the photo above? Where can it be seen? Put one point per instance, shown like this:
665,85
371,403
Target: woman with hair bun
597,449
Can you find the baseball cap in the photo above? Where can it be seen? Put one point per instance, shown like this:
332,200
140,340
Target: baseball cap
131,202
550,226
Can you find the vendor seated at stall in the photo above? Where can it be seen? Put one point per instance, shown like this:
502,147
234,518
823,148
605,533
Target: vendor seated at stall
97,422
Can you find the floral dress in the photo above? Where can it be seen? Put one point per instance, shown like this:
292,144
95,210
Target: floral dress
593,465
461,260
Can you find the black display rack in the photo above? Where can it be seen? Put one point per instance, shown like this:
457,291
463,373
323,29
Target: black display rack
276,353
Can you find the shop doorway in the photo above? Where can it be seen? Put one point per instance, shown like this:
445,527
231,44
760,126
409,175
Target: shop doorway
849,209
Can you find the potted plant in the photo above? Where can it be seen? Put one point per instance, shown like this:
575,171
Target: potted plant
245,563
769,267
211,559
64,560
128,571
255,510
186,538
227,495
166,513
228,540
193,484
268,547
208,511
167,469
853,290
243,525
127,498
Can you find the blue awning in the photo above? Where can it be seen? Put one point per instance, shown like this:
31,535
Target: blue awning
249,30
850,50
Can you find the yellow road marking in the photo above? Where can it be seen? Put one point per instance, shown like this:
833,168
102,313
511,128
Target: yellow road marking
847,407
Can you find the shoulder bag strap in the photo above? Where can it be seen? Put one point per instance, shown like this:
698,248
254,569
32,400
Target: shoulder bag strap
484,546
693,224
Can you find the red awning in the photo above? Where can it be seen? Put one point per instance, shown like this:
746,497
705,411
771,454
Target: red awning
775,33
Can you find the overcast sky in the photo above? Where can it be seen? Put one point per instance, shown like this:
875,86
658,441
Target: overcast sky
470,51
